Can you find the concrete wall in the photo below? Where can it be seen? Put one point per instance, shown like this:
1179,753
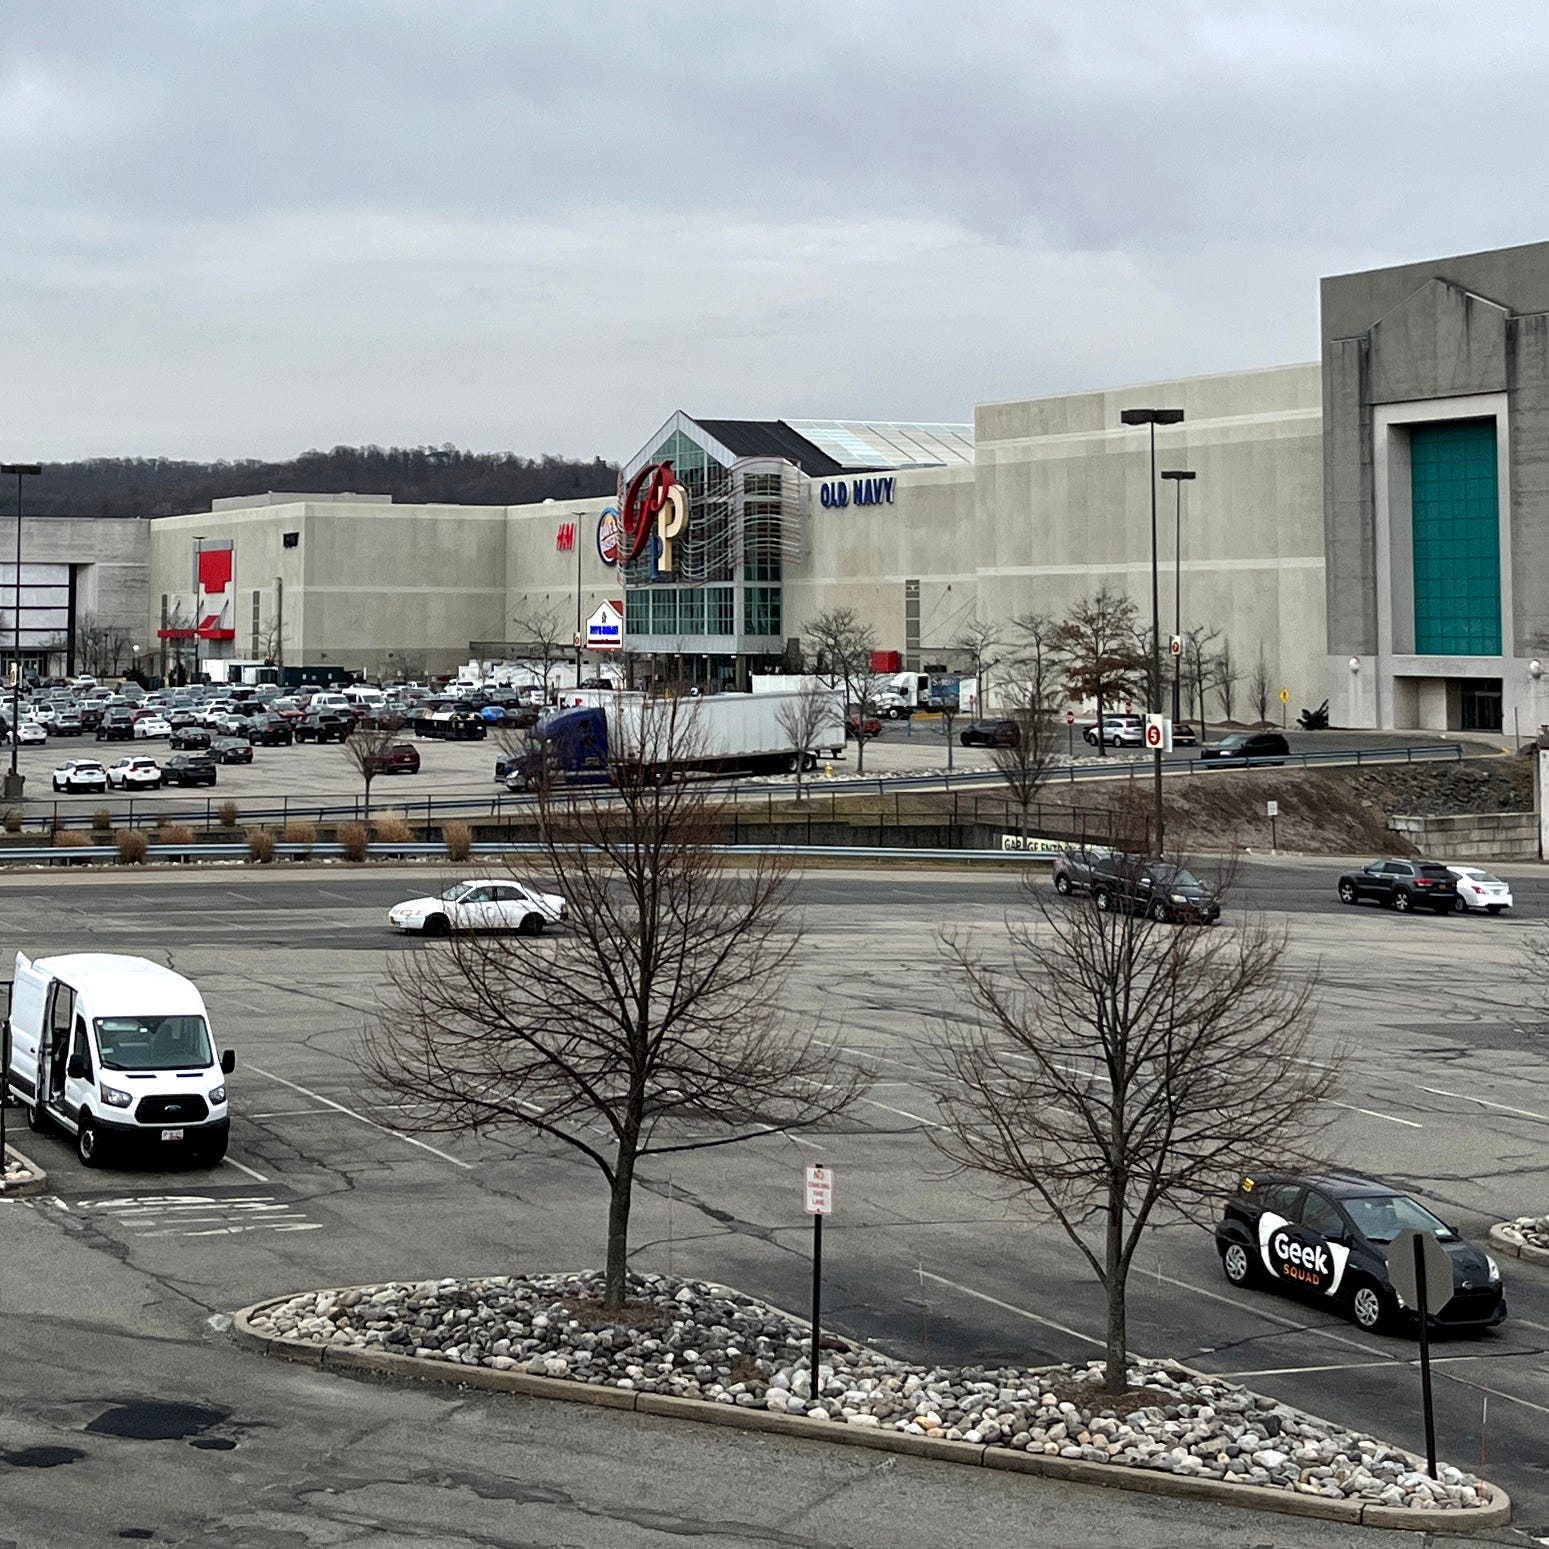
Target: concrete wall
1472,836
1447,338
111,559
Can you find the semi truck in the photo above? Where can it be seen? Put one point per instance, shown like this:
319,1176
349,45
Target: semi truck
719,734
117,1050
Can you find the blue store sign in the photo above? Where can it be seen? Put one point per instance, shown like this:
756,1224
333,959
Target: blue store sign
856,492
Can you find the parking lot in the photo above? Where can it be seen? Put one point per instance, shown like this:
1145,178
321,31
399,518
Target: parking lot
1445,1093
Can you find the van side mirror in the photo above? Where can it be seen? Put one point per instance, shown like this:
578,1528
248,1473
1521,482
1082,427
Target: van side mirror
228,1062
77,1068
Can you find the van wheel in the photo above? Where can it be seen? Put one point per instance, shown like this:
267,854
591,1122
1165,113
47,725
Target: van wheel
88,1144
1103,899
37,1120
1159,912
1062,885
210,1153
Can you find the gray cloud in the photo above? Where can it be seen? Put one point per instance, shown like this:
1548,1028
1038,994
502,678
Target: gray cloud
252,226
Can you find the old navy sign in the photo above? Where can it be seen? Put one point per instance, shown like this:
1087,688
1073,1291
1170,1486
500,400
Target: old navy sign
856,492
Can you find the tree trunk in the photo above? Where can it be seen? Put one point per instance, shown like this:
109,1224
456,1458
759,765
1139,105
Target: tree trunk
1114,1275
618,1230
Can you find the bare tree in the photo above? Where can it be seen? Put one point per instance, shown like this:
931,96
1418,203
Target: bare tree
803,718
1119,1066
978,639
1225,674
363,750
269,639
651,1024
1197,666
1258,688
1029,679
1097,650
100,645
542,638
843,647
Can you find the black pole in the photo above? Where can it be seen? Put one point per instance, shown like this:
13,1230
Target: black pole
1158,838
1178,595
5,1085
817,1306
1423,1297
577,541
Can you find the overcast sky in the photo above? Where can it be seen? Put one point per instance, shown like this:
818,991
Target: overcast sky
250,227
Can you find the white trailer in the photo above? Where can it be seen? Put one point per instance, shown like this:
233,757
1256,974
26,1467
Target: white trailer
116,1050
728,733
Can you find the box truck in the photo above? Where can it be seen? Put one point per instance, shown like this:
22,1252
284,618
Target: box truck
719,734
117,1051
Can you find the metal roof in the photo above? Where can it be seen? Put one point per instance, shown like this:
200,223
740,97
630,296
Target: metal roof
886,444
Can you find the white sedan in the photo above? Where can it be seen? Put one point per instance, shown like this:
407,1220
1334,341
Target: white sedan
135,774
1479,889
80,774
152,726
484,904
32,732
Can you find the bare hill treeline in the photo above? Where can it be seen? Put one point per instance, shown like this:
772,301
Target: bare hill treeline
159,486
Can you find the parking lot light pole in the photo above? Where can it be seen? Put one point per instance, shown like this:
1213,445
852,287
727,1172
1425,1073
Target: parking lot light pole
1178,476
1151,418
15,780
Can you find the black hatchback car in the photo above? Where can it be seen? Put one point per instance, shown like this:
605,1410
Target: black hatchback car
1245,747
1325,1237
1157,889
188,769
189,738
1402,885
232,750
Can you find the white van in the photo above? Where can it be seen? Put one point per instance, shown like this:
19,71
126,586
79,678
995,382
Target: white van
327,700
117,1050
362,696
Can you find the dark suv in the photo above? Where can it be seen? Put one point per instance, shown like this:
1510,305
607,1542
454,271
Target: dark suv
116,725
395,758
322,726
991,734
188,769
1156,889
1402,885
1325,1237
1244,747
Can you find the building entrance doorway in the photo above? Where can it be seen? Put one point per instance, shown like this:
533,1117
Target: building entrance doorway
1480,709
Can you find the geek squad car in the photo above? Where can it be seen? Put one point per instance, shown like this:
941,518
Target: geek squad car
1326,1237
481,904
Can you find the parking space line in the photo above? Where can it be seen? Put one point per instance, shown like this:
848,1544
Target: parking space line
231,1161
1349,1366
361,1118
1021,1312
1484,1102
903,1113
1371,1113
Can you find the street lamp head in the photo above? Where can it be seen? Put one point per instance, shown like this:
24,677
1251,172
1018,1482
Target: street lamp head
1355,664
1150,416
1179,473
1535,668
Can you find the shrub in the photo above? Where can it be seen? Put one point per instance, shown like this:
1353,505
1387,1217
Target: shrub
226,813
132,845
260,845
355,839
458,839
101,820
299,831
12,820
174,833
393,827
71,839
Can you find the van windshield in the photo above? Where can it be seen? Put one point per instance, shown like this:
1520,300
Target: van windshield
154,1043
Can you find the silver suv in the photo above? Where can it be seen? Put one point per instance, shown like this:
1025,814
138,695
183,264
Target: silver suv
1073,867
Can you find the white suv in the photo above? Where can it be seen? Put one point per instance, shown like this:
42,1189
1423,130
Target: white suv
135,774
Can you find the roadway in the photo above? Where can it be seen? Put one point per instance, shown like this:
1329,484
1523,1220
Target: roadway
1444,1090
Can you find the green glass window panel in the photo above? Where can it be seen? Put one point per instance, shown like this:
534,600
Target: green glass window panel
1455,511
691,612
761,610
664,611
720,614
637,613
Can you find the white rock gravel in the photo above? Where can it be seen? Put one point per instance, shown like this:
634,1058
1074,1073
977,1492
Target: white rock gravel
17,1172
726,1348
1527,1231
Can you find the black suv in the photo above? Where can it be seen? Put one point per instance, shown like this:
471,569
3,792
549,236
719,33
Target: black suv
1244,747
270,731
323,726
1402,885
188,769
116,725
1074,865
1326,1237
1156,889
991,734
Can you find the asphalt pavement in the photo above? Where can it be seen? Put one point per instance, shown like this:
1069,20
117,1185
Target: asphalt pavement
1444,1090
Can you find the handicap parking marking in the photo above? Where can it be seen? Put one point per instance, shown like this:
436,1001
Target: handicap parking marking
198,1215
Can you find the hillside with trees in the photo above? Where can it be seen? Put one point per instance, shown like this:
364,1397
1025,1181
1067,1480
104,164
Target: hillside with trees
159,486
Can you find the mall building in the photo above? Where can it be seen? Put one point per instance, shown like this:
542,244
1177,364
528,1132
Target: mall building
1374,526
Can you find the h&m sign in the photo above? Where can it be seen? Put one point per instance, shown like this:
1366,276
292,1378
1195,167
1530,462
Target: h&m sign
856,492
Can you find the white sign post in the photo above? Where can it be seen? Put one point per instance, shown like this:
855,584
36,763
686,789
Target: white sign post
819,1193
1272,810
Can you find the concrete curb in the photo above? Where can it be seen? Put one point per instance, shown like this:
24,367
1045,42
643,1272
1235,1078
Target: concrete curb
704,1412
36,1184
1515,1247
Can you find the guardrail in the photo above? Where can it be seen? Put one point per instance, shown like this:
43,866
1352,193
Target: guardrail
499,803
